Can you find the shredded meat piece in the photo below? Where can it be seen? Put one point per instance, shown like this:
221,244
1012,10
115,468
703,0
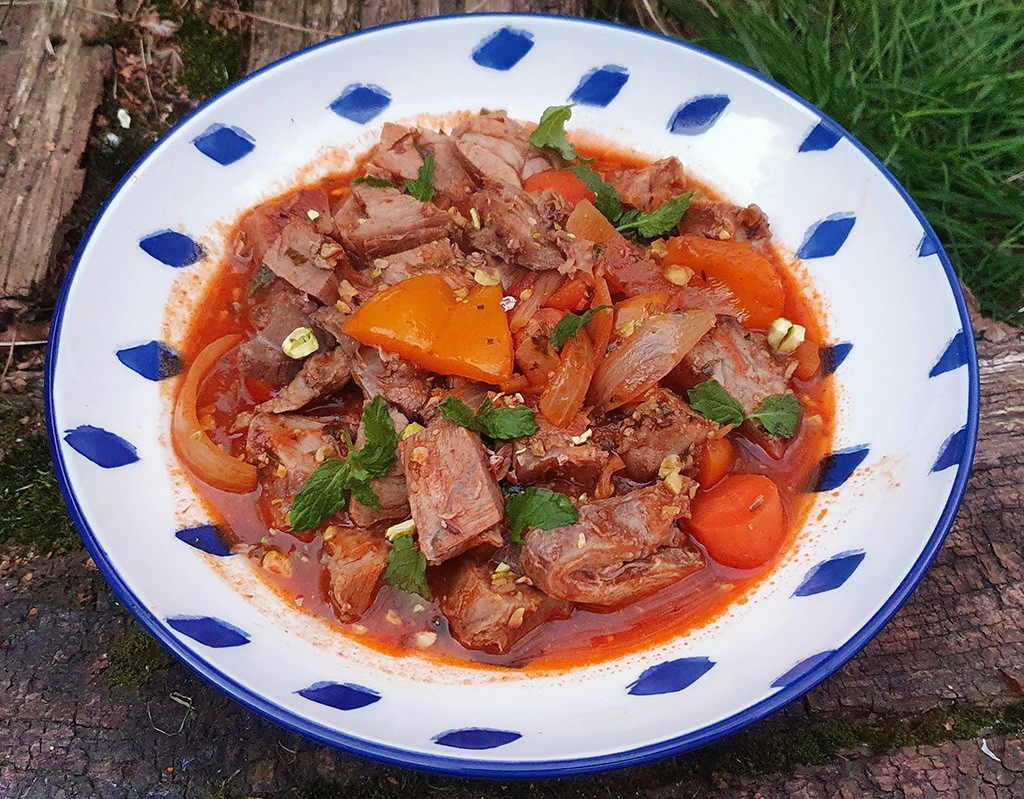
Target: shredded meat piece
495,149
353,561
279,311
619,550
451,181
454,498
391,222
550,456
391,489
659,426
322,374
723,220
517,227
396,152
403,384
296,257
286,448
439,257
648,187
492,613
261,226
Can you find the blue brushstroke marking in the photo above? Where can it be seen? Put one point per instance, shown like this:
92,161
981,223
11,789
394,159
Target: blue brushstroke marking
954,356
102,447
209,631
361,102
225,144
503,49
698,115
341,696
952,451
833,356
671,676
154,360
835,469
927,246
477,738
830,574
600,86
822,137
801,668
825,237
207,537
172,248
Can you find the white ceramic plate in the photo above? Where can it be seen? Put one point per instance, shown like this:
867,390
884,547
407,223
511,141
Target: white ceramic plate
901,348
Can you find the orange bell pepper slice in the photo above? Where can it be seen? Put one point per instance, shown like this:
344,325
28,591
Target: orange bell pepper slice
750,277
423,321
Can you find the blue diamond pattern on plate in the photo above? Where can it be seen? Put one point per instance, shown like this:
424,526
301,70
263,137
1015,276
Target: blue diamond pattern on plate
477,738
153,360
800,669
503,49
600,86
835,469
207,537
953,357
826,236
361,102
341,696
670,676
822,137
698,115
102,447
833,356
830,574
952,451
225,144
209,631
928,246
172,248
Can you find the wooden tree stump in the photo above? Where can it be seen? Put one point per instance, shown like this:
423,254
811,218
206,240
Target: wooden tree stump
51,82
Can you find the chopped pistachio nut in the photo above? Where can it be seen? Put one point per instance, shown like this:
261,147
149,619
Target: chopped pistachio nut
678,275
501,571
412,429
282,470
583,437
673,482
313,215
396,531
485,278
277,562
581,540
329,248
300,343
347,291
393,618
785,336
474,216
515,621
658,248
343,306
461,294
570,237
628,329
425,639
669,464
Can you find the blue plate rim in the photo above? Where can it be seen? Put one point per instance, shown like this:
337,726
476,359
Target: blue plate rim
465,767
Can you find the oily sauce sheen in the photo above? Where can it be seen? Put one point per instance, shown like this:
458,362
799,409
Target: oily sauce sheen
395,618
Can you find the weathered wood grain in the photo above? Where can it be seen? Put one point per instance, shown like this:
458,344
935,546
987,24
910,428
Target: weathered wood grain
281,27
51,82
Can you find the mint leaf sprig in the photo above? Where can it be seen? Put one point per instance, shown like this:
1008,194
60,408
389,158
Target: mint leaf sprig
373,180
407,567
779,414
423,187
659,222
550,132
323,494
571,324
538,508
503,423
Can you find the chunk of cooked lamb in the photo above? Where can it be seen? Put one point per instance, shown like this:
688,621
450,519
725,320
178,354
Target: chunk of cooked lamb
491,612
551,455
519,227
354,561
659,426
296,257
261,227
396,152
454,498
286,448
619,550
391,489
648,187
403,384
451,181
391,222
494,149
323,373
439,257
278,312
715,219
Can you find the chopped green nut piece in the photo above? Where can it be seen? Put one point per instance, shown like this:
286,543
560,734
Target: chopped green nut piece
785,336
412,429
408,527
300,343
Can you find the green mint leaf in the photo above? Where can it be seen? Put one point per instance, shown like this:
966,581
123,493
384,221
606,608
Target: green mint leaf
373,180
264,276
550,131
607,199
363,493
381,446
571,324
506,423
539,508
661,221
713,402
423,187
322,495
407,568
455,410
779,414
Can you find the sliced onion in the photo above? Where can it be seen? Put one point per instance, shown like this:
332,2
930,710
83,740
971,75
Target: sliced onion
205,459
645,357
543,287
564,396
